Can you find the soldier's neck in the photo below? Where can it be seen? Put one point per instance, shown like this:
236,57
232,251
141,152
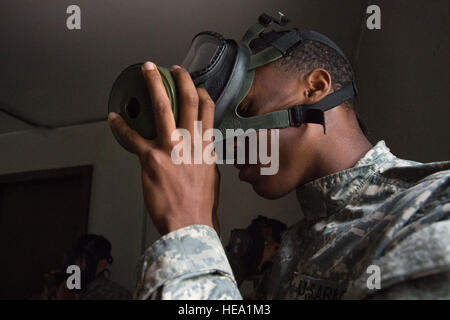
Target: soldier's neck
340,149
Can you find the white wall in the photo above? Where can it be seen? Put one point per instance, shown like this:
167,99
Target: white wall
402,74
116,206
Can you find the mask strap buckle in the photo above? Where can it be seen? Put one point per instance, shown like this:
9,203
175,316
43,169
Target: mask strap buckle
264,21
314,113
277,49
299,115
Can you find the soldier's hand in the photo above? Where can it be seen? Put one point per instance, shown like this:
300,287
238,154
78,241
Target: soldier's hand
176,195
215,218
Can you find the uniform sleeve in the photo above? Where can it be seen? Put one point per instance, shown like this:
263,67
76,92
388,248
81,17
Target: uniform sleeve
189,263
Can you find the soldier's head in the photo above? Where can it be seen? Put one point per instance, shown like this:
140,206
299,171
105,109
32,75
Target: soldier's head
305,76
255,246
92,253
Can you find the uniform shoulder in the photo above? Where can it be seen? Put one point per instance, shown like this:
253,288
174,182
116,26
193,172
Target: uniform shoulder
422,255
409,171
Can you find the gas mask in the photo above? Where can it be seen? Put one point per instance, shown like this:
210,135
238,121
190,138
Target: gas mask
245,249
225,68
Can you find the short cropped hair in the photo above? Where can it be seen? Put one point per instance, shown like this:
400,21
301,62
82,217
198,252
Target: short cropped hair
308,56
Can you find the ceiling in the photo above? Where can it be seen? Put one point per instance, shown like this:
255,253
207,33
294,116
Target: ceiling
51,76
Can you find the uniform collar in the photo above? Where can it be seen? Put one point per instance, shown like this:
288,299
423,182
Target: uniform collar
325,196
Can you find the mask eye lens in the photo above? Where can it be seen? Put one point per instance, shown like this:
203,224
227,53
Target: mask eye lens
203,52
133,108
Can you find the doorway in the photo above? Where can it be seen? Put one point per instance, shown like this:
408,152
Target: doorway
42,213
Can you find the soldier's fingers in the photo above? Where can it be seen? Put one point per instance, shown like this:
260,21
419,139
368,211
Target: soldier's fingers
206,109
188,98
162,109
128,136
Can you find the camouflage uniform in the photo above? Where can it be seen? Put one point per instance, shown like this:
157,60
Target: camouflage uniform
103,288
384,211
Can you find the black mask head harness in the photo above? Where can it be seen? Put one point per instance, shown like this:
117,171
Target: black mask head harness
277,49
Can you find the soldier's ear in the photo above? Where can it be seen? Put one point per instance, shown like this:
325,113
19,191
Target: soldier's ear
317,86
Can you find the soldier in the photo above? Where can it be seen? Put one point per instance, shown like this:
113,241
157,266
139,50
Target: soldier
250,252
92,253
375,226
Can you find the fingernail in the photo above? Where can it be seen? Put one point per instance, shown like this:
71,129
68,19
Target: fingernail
175,67
112,116
148,66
